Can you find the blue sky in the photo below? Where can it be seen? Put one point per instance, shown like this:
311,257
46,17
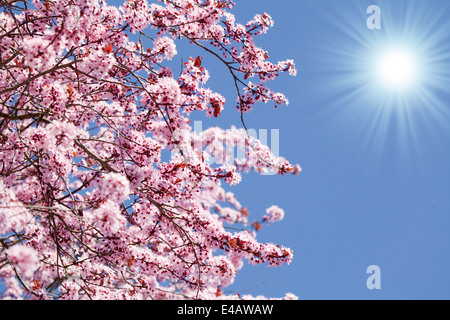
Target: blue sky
376,163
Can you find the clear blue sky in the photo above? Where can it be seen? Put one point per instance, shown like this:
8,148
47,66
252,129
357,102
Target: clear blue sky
375,186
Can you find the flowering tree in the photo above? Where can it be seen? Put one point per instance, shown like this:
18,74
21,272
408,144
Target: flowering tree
90,204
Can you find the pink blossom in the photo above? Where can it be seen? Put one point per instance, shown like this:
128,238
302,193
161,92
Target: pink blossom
114,186
25,258
165,47
273,214
13,215
107,188
39,53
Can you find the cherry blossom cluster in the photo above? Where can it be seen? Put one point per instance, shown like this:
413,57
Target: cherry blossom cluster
91,207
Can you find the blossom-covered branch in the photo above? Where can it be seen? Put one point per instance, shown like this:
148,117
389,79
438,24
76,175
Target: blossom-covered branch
90,206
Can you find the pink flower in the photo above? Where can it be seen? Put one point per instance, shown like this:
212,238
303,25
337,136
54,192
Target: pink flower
13,216
165,47
39,53
24,258
107,218
114,186
273,214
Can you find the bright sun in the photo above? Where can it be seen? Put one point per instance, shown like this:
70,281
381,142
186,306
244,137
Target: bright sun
397,69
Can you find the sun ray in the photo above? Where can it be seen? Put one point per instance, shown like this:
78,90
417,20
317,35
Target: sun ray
399,107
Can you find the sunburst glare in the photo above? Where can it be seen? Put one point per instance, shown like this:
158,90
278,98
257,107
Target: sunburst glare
396,69
390,85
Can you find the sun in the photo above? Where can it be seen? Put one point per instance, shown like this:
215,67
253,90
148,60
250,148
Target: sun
397,69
